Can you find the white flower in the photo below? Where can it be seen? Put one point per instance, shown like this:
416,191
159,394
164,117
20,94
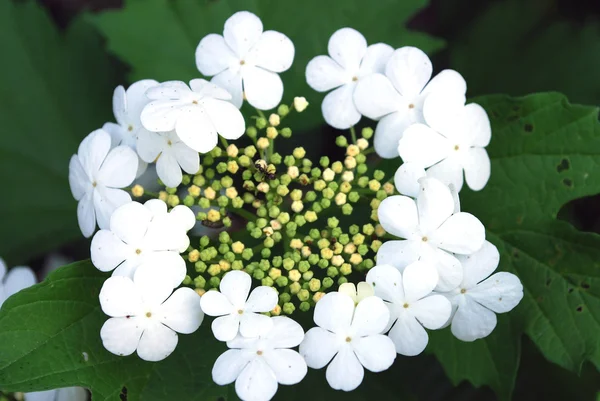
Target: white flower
198,115
258,364
246,60
238,310
350,62
432,232
357,293
145,236
171,155
351,334
479,296
95,174
407,179
145,316
453,142
412,306
62,394
397,97
17,279
127,107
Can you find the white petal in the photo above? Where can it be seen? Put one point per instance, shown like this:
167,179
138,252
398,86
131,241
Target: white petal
227,120
119,135
387,282
289,367
225,328
262,299
207,89
137,100
334,312
338,107
449,268
375,59
150,145
435,204
254,324
188,159
285,333
407,178
390,129
274,52
235,285
472,321
214,303
364,290
323,74
162,115
345,371
229,365
3,269
257,382
447,81
398,216
242,30
409,69
476,163
263,88
376,353
370,317
157,342
168,170
449,171
72,394
18,279
121,335
119,297
421,144
398,253
183,216
197,131
86,215
130,222
347,47
319,347
462,233
49,395
476,125
419,280
409,337
106,201
119,168
154,286
479,265
119,102
432,311
231,80
500,293
443,112
348,289
93,150
156,206
78,179
182,312
213,55
107,251
376,97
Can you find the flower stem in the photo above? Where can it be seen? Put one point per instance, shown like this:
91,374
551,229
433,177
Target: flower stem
224,142
353,134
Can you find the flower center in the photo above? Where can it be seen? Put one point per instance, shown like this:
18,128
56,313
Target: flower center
195,102
456,147
169,142
463,290
405,306
355,78
259,352
411,106
348,339
424,239
148,314
240,311
138,251
94,184
130,128
242,62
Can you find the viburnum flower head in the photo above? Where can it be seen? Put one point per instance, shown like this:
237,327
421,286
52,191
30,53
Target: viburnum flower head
198,113
480,296
453,141
144,237
17,279
171,155
350,334
236,310
258,364
349,62
433,232
146,315
396,98
408,295
127,107
95,175
246,61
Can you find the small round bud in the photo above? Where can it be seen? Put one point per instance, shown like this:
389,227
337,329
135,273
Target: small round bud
303,295
250,151
262,143
299,153
346,269
332,271
288,308
341,141
231,193
194,256
326,253
300,104
347,209
173,200
352,150
137,191
232,150
283,110
340,199
261,123
288,263
375,245
295,288
362,143
294,275
374,185
367,132
296,244
286,132
310,216
297,206
272,133
337,260
348,176
274,119
293,172
355,259
328,174
350,162
388,187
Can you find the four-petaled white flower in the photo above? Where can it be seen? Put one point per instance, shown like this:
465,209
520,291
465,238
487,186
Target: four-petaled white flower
433,231
237,310
407,179
412,306
198,115
127,107
61,394
171,155
480,295
349,62
357,293
350,335
258,364
146,315
141,237
246,60
396,98
453,141
17,279
95,175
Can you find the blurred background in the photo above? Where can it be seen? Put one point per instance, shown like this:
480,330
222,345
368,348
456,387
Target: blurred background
61,60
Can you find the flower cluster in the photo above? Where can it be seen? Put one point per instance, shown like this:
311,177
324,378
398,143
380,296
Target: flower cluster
251,237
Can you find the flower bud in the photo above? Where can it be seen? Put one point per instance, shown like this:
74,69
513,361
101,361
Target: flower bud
261,123
341,141
137,191
300,104
299,153
310,216
293,172
274,119
352,150
262,143
286,132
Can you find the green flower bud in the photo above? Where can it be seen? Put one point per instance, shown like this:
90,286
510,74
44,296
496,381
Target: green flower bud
304,306
307,276
288,264
295,256
303,295
223,249
317,208
363,182
189,201
289,160
341,141
284,297
185,179
303,266
286,132
288,308
367,132
199,282
332,222
247,254
282,281
342,280
361,169
200,266
237,265
258,274
209,173
214,282
332,271
323,263
353,197
347,209
214,270
221,167
313,259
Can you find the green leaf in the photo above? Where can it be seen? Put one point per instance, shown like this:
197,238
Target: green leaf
158,38
51,338
57,89
544,153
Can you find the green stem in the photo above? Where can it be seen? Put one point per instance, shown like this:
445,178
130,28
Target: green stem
243,213
353,134
260,113
224,142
